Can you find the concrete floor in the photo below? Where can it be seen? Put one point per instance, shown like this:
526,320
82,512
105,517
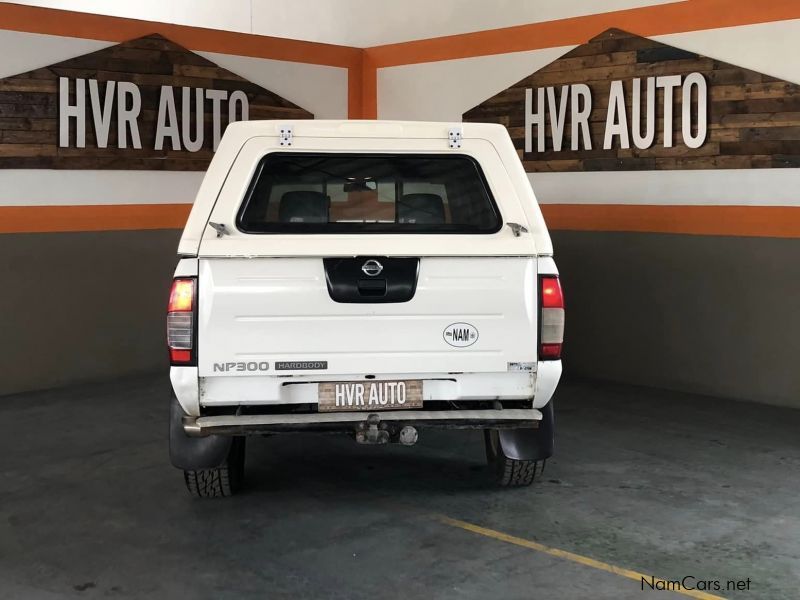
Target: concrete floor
661,483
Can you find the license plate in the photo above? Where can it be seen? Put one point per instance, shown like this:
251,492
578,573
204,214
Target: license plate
369,395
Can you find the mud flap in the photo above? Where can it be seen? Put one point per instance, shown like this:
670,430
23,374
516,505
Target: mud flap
530,444
194,453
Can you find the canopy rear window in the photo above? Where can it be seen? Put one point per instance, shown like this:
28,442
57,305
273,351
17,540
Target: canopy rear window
377,193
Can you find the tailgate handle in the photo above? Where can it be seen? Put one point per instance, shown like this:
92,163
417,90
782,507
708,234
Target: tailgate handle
372,287
371,279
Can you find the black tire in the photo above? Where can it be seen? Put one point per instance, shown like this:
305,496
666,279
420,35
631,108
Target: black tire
509,472
221,481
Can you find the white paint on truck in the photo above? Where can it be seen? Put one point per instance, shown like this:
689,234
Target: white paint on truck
278,309
263,298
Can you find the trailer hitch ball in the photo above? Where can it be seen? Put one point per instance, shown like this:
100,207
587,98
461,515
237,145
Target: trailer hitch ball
408,435
369,433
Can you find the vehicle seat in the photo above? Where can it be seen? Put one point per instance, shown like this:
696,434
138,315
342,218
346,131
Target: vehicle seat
304,206
420,208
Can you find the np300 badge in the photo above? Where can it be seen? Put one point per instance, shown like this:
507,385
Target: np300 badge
460,335
241,366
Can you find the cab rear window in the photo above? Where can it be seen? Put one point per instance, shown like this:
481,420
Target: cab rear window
378,193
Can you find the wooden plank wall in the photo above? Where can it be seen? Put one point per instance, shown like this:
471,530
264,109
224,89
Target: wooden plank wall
29,108
753,119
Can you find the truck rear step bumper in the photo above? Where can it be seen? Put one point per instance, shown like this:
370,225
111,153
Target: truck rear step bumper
338,421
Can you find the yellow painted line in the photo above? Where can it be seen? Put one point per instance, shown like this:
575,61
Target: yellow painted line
571,556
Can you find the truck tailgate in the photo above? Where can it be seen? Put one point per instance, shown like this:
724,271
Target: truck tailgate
275,316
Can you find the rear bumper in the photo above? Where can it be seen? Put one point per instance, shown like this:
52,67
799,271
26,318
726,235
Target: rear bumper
204,442
195,392
349,421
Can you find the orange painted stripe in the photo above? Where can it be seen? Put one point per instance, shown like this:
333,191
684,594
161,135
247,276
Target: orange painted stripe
32,19
369,88
748,221
118,217
689,15
354,99
362,64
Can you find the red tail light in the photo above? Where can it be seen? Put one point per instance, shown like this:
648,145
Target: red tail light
180,321
551,318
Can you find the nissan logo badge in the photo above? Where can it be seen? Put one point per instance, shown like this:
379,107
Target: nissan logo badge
372,268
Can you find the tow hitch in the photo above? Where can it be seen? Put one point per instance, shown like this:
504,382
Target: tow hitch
373,431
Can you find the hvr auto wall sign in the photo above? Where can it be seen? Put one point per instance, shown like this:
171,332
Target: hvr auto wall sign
147,103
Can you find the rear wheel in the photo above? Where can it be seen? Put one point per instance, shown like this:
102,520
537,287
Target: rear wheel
221,481
509,472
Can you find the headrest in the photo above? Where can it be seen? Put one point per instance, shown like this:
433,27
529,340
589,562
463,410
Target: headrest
304,206
420,208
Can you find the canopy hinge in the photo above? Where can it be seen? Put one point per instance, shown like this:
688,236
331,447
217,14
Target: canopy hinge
219,228
455,136
286,135
517,229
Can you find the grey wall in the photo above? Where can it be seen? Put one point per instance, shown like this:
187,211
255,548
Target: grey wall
83,306
713,315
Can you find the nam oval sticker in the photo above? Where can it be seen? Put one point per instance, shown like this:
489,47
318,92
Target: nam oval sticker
460,335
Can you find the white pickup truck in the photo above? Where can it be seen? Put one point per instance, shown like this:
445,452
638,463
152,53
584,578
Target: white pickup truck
365,277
